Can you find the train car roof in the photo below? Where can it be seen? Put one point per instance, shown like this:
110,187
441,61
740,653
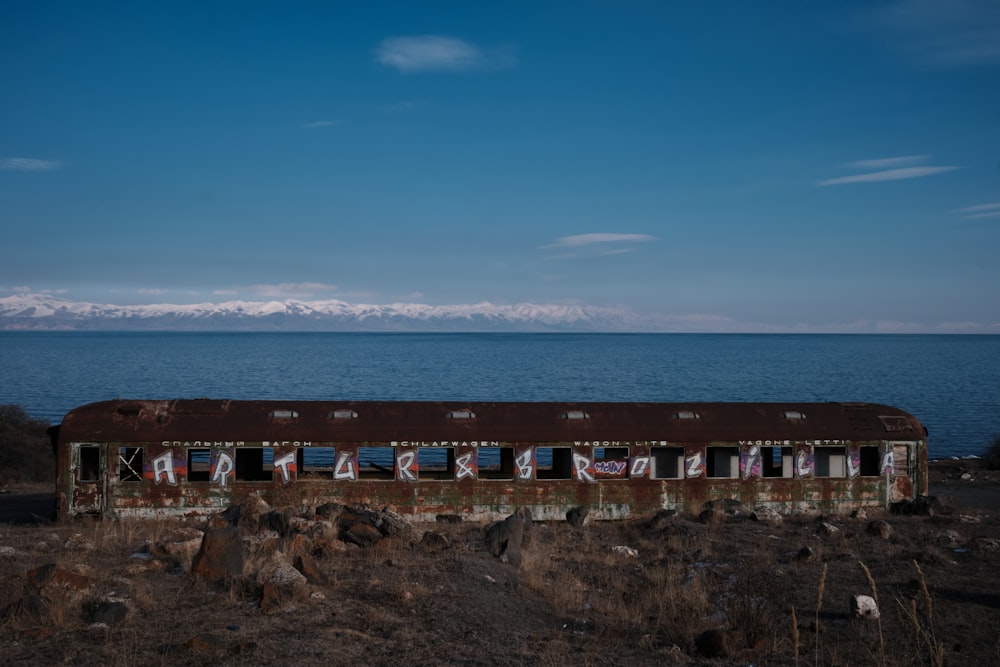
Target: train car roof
205,420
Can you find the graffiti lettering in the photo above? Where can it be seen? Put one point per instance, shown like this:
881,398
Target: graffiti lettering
524,467
286,464
640,465
853,463
163,466
695,465
224,468
887,463
444,443
803,463
609,467
406,465
463,467
345,468
581,463
751,462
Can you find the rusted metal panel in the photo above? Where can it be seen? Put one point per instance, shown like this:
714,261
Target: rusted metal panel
618,459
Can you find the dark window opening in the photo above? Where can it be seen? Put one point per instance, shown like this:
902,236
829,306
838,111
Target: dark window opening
90,464
255,464
667,462
130,464
436,463
496,462
830,461
776,461
722,462
199,465
376,463
554,463
871,458
315,462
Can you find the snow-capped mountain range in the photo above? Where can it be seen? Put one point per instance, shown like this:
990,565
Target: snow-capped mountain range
42,312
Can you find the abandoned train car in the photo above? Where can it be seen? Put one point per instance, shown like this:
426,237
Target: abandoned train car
143,458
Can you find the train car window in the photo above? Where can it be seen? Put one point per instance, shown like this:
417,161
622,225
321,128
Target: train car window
871,457
722,462
666,462
90,464
437,463
554,463
199,464
376,463
496,463
830,461
130,464
900,460
315,462
255,464
776,461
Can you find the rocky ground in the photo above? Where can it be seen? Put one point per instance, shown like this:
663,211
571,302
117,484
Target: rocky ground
270,586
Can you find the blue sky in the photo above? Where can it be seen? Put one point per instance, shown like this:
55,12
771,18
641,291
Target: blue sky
773,165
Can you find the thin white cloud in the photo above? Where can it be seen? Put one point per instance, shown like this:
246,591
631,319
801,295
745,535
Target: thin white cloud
943,33
425,53
153,291
890,162
29,164
981,211
320,123
890,169
291,290
590,239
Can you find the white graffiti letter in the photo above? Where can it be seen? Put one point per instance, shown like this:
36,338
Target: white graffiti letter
284,464
464,467
802,467
223,466
524,467
163,466
640,465
887,463
404,463
581,463
694,465
345,467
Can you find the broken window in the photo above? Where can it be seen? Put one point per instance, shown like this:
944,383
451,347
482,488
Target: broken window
830,461
436,463
89,469
722,462
871,459
776,461
496,463
130,464
255,464
376,463
315,462
901,460
199,464
554,463
667,462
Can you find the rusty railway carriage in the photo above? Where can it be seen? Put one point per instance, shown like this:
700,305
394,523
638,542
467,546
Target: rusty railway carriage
142,458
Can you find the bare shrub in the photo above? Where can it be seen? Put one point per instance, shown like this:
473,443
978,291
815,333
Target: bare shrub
991,457
25,449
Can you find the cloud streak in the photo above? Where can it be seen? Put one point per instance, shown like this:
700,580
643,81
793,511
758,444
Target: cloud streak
944,33
981,211
428,53
29,164
579,240
890,169
290,290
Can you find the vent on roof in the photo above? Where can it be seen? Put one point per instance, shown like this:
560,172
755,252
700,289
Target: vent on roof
687,414
461,414
793,415
129,410
895,423
343,414
575,414
283,416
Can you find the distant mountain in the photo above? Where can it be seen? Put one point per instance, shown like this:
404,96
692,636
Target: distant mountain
45,313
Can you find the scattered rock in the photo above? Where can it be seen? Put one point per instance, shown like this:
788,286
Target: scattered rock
623,550
864,606
990,544
948,538
827,529
109,613
661,519
220,556
506,539
79,542
806,554
879,529
860,514
433,540
180,546
448,518
578,517
728,506
766,515
8,553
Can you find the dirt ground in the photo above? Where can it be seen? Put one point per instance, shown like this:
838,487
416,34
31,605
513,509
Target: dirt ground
780,592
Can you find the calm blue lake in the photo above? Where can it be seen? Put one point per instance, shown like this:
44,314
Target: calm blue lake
951,383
